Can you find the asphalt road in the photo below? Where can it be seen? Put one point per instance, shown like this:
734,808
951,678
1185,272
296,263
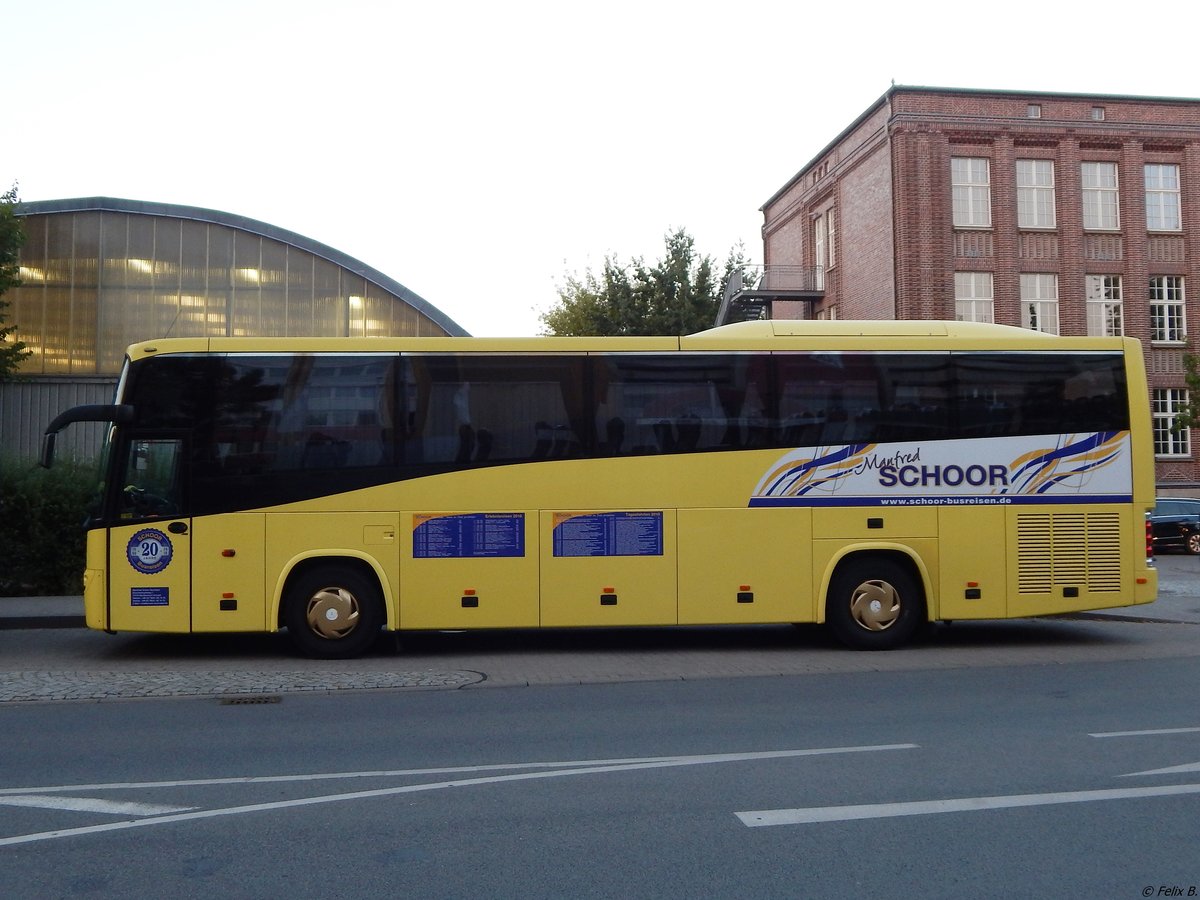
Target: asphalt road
1075,780
1036,757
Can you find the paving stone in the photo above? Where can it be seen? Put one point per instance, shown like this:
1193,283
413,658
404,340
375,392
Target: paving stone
42,686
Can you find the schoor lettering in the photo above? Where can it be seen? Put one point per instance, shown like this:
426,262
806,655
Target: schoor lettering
943,476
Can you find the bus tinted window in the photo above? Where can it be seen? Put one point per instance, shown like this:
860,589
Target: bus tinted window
465,410
836,398
680,403
1039,393
290,413
352,420
173,391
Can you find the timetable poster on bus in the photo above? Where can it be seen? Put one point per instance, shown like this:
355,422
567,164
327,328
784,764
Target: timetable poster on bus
468,535
608,534
1091,467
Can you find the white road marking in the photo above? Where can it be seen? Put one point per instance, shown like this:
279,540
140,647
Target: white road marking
1108,734
455,770
89,804
579,768
813,815
1170,770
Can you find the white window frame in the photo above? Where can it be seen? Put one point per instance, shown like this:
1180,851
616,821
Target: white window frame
1105,316
974,298
1101,196
1168,309
1165,404
819,252
1035,193
1039,302
1162,197
831,235
971,191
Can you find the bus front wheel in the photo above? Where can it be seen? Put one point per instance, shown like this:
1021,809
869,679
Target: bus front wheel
874,604
333,612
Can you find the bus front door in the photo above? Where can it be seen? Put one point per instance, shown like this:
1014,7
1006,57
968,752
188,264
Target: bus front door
150,559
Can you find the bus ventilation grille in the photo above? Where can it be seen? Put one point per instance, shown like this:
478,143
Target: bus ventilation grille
1068,550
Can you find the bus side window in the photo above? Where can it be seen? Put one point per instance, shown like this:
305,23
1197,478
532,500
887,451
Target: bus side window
470,410
676,403
1039,393
151,485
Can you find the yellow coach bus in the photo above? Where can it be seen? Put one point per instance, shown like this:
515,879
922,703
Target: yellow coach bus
868,475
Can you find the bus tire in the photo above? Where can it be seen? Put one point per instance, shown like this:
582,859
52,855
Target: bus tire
333,612
874,603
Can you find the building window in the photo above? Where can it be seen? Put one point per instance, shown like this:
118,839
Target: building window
1104,317
1167,318
1097,113
1101,209
1033,111
971,186
1162,198
1035,193
831,228
819,252
973,297
1165,405
1039,303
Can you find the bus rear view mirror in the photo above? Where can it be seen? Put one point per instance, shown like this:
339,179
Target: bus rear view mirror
121,414
47,457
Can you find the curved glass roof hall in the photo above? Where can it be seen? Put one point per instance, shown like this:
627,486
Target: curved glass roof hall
99,274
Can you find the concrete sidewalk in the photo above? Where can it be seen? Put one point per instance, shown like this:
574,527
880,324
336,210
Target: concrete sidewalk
1170,607
41,612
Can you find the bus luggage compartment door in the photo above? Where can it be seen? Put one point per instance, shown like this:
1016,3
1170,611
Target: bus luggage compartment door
608,567
228,584
745,565
469,569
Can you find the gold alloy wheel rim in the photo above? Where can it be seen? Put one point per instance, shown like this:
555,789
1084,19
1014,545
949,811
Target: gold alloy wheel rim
875,605
332,613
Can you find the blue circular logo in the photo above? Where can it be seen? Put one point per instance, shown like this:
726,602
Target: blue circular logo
149,551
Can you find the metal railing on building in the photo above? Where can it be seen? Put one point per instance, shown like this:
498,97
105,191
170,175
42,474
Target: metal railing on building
753,290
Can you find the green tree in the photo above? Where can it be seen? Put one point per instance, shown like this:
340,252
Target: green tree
12,236
678,294
1188,415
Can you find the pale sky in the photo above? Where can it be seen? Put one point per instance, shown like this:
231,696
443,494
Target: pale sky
478,152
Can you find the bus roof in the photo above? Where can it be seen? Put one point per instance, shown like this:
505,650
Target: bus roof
780,334
869,328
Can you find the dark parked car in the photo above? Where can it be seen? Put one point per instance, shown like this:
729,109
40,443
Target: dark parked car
1176,524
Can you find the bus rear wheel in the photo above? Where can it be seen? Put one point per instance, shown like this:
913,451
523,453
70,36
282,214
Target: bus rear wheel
333,612
874,604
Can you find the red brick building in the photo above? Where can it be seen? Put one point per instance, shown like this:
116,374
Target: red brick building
1068,213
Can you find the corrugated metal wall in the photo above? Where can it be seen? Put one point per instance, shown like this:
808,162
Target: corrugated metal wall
27,407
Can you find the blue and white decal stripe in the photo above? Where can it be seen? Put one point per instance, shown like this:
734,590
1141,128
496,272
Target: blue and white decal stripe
1092,467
